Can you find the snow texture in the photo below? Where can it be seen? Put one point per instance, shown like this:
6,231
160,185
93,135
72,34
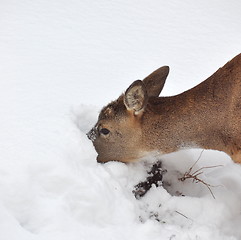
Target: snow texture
60,62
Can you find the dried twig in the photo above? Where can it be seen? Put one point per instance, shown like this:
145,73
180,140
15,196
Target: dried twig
182,215
194,175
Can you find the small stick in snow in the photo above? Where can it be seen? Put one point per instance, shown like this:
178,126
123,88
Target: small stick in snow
194,175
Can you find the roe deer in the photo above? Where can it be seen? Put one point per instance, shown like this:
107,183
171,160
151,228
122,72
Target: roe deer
207,116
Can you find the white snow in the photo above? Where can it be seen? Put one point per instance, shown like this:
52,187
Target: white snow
60,62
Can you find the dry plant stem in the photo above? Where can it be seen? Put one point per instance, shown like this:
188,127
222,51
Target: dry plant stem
182,214
195,174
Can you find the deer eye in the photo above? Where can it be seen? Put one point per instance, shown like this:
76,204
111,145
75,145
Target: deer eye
104,131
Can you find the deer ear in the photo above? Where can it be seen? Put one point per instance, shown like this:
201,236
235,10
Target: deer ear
155,81
135,97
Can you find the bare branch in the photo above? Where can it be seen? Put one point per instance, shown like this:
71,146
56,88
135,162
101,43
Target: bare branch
195,175
182,214
208,167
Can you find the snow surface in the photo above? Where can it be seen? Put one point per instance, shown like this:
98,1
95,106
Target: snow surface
60,62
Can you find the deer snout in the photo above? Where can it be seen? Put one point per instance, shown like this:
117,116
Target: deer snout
92,134
100,160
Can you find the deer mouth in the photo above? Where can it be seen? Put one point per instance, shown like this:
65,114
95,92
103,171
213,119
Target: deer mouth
99,160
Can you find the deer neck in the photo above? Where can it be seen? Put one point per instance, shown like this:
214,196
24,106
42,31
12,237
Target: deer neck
191,119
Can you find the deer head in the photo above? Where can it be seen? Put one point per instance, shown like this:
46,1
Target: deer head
118,133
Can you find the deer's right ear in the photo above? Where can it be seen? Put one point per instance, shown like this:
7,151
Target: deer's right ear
155,81
135,97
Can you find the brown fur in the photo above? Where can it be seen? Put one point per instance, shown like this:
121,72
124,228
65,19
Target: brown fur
207,116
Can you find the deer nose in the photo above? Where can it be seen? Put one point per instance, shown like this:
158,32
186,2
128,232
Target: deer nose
92,134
